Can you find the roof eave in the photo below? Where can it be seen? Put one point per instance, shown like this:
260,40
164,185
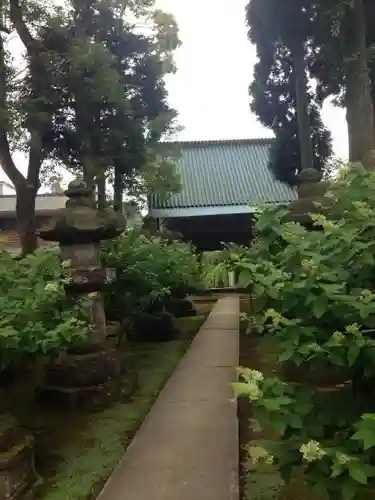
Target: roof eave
171,213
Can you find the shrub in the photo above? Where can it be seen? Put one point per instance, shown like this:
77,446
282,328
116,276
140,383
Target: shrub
149,271
314,293
157,327
180,308
35,315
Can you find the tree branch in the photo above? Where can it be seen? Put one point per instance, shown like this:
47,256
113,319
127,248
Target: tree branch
34,49
6,159
20,26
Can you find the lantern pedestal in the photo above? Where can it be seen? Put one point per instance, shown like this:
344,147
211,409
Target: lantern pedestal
89,380
18,479
311,191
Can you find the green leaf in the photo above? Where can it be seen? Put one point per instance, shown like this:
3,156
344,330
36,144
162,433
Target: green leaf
295,421
348,490
276,403
280,425
319,307
358,474
288,349
366,434
331,288
353,354
259,289
245,278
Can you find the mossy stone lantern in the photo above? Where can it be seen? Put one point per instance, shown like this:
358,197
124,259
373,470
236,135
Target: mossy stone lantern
311,190
79,228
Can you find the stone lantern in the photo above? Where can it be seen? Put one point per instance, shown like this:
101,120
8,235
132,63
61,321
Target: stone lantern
311,191
86,373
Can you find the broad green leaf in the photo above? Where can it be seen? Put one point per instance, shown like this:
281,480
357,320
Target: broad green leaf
286,355
276,403
357,474
245,278
295,421
366,433
348,490
279,424
319,307
353,354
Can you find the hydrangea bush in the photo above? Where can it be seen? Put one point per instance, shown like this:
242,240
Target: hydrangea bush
313,292
149,270
35,316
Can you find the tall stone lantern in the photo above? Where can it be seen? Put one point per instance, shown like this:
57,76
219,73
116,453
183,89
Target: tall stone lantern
311,190
87,373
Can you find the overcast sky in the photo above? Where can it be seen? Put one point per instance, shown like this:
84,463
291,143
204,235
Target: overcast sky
215,68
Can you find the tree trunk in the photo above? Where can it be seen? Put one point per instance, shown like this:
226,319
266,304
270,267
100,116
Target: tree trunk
353,136
100,181
304,133
372,89
358,97
118,192
26,221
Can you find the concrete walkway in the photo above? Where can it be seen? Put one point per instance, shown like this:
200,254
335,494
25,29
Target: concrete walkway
187,448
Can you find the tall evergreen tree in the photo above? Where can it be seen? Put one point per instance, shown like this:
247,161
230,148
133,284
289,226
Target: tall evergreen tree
274,102
281,96
342,61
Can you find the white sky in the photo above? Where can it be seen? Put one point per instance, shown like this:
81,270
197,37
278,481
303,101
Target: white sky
215,68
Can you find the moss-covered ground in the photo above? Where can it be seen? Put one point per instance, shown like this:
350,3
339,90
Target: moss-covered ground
76,451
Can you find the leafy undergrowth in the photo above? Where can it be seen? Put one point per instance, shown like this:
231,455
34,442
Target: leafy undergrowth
263,483
77,452
257,482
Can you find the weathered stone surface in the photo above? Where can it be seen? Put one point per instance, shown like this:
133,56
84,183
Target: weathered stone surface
83,370
311,191
89,371
80,222
18,478
90,397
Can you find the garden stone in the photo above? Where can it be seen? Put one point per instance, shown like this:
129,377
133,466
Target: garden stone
18,479
87,374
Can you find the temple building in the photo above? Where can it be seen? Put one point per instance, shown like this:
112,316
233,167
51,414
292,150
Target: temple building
223,183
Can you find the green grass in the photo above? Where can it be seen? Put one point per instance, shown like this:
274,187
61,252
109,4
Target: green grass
94,445
263,485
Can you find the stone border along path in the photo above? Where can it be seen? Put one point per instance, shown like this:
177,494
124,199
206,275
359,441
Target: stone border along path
187,448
